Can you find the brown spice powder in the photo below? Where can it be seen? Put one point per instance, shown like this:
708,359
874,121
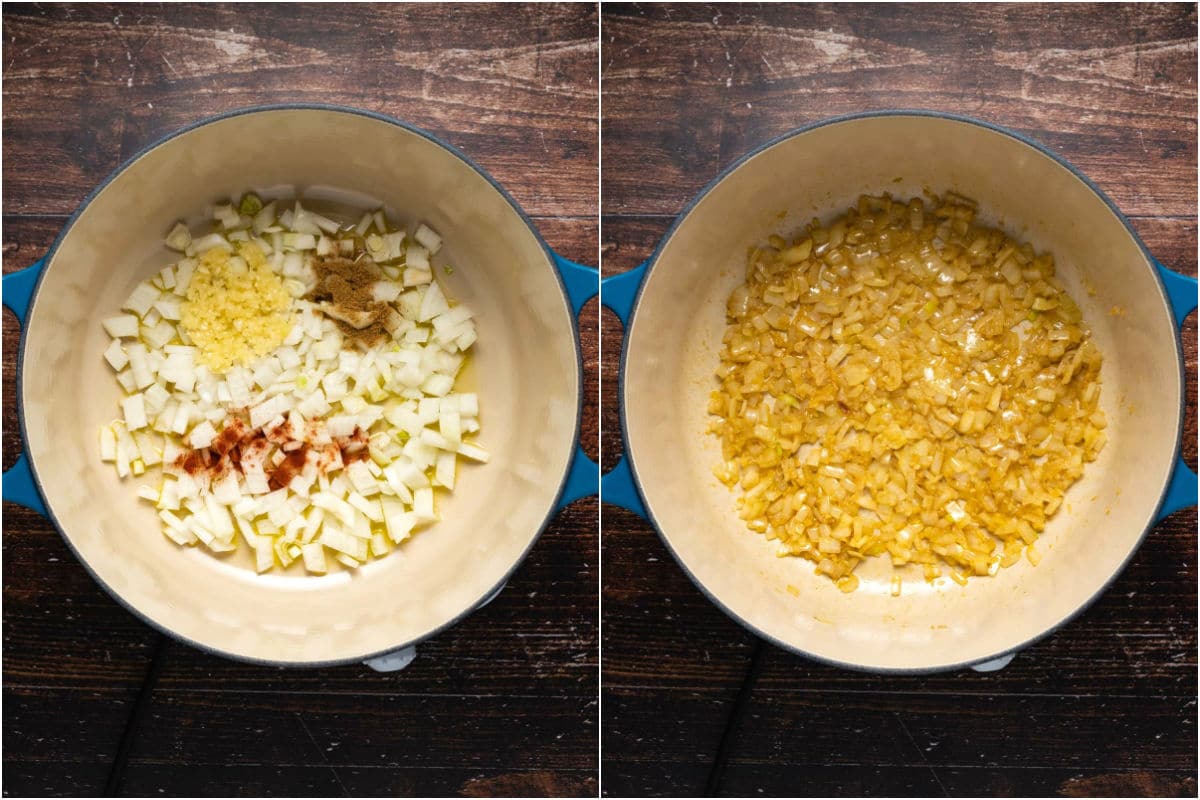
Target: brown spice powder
344,290
237,442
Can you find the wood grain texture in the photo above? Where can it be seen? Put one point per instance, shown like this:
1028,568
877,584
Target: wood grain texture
504,703
1107,705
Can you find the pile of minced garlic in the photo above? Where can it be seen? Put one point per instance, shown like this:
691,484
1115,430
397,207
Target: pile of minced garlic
237,308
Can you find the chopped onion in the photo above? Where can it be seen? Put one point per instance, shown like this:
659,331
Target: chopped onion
399,395
904,383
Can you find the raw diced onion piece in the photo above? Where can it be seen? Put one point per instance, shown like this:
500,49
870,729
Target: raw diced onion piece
133,408
386,291
138,365
337,539
361,477
108,444
473,452
183,276
428,238
346,561
369,509
202,435
416,257
227,216
364,223
433,303
126,380
114,354
417,276
227,491
209,242
445,469
300,241
264,555
122,326
142,297
158,335
168,305
437,385
264,218
314,557
179,237
450,426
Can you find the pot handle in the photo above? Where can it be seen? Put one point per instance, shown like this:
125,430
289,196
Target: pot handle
397,660
995,664
619,293
1181,292
18,483
582,283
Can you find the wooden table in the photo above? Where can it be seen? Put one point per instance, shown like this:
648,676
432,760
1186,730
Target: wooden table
94,700
692,702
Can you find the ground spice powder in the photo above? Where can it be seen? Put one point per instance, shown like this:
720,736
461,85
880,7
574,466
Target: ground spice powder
344,292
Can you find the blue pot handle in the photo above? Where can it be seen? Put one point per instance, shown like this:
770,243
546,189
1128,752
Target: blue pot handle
583,283
1181,292
617,486
18,485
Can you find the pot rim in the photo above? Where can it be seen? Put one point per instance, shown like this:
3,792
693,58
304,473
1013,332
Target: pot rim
652,261
340,109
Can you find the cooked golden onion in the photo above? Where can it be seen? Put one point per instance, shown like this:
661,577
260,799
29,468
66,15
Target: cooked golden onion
906,382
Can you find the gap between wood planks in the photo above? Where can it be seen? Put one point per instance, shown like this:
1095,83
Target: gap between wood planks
712,786
116,773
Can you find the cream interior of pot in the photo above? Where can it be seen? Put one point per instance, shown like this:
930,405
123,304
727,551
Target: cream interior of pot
524,366
673,346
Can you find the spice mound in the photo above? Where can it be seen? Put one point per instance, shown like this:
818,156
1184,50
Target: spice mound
247,451
236,307
345,292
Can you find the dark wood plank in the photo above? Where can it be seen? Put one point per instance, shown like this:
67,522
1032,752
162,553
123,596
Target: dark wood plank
527,731
358,781
1113,89
61,742
42,779
891,781
856,780
915,728
86,86
658,740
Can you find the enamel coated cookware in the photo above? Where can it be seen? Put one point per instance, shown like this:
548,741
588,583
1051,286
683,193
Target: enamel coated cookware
674,310
526,366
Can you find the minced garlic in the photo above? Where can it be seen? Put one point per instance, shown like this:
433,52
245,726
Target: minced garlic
236,307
